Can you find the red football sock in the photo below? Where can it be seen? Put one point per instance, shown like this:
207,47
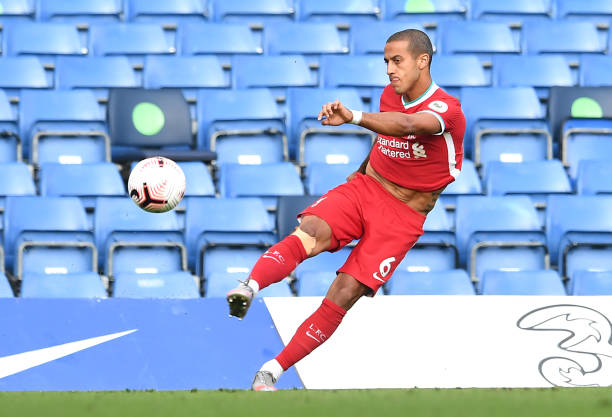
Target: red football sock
278,261
312,333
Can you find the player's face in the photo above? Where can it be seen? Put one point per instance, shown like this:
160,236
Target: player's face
403,69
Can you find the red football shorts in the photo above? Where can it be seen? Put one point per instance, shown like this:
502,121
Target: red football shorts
386,228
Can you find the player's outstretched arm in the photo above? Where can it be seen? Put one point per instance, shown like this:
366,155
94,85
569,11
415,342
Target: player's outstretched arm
385,123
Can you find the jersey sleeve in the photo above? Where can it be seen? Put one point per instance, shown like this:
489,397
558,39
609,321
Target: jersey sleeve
446,111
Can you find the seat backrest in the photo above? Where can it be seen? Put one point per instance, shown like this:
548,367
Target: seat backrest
458,71
94,72
18,10
303,38
266,180
475,37
594,177
561,37
371,37
34,213
198,179
577,102
91,11
93,179
544,71
253,11
541,282
322,177
531,177
599,11
183,72
287,210
339,11
217,38
167,12
595,70
424,10
570,213
6,113
353,71
451,282
468,182
42,39
590,283
148,118
271,71
437,220
22,72
20,183
128,39
510,11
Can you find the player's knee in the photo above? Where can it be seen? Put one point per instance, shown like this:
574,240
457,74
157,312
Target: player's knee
308,241
314,234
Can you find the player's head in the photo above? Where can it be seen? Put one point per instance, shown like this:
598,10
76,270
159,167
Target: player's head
408,55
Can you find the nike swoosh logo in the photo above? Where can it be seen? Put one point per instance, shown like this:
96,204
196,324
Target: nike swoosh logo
13,364
312,337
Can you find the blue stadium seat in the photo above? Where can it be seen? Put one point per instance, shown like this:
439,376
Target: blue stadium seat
499,233
424,11
436,250
63,126
237,260
219,283
289,206
307,39
362,72
454,71
20,183
242,126
188,73
167,12
596,11
323,262
81,13
590,283
468,183
18,11
44,40
342,12
315,283
216,222
595,70
47,235
538,179
74,285
535,282
450,282
223,40
267,181
561,37
322,177
21,72
132,240
516,11
505,124
311,142
544,72
180,284
371,37
253,12
97,74
274,72
10,142
86,181
594,177
5,288
198,179
579,235
134,40
483,39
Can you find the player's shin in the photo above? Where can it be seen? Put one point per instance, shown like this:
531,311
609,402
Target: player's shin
312,333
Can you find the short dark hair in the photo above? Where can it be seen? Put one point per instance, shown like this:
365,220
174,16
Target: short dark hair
418,42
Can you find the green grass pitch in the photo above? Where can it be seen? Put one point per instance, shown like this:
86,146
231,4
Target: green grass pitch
592,402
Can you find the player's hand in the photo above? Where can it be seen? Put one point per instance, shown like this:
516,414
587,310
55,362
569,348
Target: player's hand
334,114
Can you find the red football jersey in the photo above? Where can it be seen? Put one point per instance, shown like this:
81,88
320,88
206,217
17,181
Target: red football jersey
422,162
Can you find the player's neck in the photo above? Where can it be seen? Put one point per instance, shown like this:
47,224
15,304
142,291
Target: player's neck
419,88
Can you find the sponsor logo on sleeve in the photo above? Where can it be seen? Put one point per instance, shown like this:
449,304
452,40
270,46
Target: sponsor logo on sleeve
438,106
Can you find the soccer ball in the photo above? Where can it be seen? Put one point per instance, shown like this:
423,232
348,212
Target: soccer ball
157,184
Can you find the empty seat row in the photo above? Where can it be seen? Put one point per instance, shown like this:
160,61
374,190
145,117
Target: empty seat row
302,10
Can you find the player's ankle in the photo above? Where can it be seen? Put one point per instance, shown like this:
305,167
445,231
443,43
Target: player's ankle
253,285
274,368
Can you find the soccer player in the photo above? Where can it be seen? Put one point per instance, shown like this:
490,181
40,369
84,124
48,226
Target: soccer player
418,152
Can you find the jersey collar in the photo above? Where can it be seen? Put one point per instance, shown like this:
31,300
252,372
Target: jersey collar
430,90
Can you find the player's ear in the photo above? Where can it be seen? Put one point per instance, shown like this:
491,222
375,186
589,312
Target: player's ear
423,61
